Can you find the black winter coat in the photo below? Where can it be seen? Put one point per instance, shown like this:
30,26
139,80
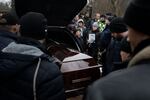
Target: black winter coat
6,38
112,56
27,72
129,84
105,39
93,47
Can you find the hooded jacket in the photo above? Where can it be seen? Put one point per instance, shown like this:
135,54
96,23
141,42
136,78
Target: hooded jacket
26,73
128,84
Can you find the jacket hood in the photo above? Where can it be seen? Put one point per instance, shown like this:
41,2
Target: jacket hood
22,49
142,55
16,58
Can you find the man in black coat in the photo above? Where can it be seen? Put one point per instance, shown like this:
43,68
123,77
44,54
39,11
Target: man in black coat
8,28
118,28
133,82
27,72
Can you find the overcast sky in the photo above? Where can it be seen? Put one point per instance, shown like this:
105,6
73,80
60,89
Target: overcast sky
4,0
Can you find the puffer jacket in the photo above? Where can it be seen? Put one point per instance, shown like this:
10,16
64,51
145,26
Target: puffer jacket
128,84
26,73
6,38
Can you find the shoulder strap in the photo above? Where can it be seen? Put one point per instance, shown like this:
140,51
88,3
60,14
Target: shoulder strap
34,79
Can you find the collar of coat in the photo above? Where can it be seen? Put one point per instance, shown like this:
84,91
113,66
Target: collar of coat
142,55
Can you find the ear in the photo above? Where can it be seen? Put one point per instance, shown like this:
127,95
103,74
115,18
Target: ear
15,28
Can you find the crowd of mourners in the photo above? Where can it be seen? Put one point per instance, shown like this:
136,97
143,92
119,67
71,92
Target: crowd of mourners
28,72
103,37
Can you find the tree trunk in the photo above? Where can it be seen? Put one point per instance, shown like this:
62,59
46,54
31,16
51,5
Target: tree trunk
117,7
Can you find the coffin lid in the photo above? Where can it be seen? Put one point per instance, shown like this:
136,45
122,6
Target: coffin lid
58,12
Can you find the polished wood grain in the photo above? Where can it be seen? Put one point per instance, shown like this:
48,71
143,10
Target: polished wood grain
77,73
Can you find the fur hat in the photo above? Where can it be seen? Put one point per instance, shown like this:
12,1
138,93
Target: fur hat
33,25
81,20
137,15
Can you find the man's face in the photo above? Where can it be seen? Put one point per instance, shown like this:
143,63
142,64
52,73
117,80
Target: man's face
102,19
87,15
97,16
118,35
131,38
78,33
135,37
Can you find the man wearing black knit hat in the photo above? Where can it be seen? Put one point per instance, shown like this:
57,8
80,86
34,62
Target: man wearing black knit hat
118,31
133,82
8,29
26,71
33,25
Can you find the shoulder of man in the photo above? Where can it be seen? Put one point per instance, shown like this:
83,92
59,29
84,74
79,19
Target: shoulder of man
111,86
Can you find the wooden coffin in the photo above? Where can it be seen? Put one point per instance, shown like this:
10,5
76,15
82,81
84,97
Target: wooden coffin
79,70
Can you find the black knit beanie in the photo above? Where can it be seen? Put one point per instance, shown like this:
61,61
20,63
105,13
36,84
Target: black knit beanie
117,25
137,15
8,19
33,25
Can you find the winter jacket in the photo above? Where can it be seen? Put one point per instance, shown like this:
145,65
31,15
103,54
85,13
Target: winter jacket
6,38
27,73
81,43
128,84
103,43
93,44
112,55
104,39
